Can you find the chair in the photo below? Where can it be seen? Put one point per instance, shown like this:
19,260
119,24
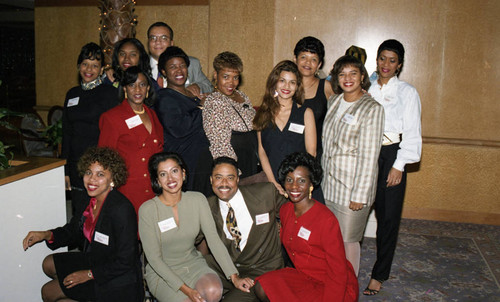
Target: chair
33,142
55,114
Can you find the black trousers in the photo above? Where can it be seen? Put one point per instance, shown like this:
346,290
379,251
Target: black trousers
388,208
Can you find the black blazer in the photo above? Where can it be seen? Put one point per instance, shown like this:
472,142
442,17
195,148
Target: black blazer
117,263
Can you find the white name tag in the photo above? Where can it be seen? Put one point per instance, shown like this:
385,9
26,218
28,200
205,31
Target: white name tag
297,128
133,121
349,119
304,233
73,101
101,238
261,218
167,224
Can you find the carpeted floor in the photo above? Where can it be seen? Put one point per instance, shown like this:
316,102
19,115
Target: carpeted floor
439,261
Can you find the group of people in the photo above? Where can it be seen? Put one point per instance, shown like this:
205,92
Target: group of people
289,185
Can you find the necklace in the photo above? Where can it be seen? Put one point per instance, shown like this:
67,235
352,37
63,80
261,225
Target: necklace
139,111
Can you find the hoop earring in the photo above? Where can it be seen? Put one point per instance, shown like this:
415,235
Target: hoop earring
276,93
311,188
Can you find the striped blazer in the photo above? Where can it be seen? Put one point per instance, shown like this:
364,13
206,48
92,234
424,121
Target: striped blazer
351,147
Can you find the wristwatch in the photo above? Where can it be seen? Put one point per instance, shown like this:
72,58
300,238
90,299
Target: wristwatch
89,273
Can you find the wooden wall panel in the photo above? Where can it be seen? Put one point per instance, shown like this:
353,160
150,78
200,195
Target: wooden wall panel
247,29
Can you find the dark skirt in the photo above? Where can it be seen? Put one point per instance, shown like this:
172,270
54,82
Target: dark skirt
245,146
70,262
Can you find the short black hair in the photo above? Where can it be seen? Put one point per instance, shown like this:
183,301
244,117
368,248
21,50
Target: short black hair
301,159
312,45
91,51
396,47
130,76
143,57
225,160
109,159
169,53
162,24
348,61
154,162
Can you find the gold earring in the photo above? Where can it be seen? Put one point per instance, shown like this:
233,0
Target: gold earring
147,94
311,188
126,95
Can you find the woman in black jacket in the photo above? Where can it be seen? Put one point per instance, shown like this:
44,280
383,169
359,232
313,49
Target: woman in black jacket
108,269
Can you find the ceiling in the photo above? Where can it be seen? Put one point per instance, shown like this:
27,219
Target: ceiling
16,11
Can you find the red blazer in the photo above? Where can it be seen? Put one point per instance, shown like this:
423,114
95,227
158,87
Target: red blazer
135,145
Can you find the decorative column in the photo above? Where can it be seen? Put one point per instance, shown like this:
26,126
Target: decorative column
118,21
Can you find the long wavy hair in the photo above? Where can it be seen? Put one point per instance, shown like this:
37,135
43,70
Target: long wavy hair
270,105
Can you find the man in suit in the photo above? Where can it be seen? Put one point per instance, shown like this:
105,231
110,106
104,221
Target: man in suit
253,241
161,36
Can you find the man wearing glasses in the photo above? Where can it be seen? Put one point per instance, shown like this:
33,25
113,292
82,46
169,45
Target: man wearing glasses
161,36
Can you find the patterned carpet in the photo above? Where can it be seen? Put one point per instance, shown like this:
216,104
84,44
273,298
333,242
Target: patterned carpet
439,261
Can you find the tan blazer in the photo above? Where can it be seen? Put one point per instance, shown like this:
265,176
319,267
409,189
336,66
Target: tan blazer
351,146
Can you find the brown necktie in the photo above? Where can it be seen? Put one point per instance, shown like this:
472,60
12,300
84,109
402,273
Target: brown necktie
232,227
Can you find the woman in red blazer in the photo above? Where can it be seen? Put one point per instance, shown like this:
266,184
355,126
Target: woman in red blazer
135,132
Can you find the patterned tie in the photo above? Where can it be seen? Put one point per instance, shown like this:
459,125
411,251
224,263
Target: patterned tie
232,227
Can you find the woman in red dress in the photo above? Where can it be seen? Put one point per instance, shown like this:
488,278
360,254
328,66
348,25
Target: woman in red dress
135,132
312,238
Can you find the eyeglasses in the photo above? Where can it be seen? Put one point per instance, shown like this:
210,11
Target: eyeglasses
163,38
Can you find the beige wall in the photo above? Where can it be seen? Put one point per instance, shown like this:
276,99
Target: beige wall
452,58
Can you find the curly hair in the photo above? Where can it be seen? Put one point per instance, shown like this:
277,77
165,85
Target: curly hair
90,51
312,45
154,162
270,105
143,57
348,61
228,60
301,159
130,76
109,159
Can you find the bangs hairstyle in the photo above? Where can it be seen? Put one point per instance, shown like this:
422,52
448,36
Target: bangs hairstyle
109,159
345,61
301,159
270,105
143,57
130,76
169,53
155,161
312,45
90,51
162,24
225,160
396,47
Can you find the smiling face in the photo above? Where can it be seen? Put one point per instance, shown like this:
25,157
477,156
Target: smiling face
128,56
298,184
308,63
387,65
136,92
176,72
227,80
159,39
97,181
89,70
286,85
350,79
170,176
224,181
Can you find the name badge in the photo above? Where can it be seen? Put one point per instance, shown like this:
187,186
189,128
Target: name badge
167,224
101,238
297,128
261,218
304,233
73,101
133,121
349,119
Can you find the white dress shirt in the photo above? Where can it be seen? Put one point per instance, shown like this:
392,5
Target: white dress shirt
402,115
243,217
